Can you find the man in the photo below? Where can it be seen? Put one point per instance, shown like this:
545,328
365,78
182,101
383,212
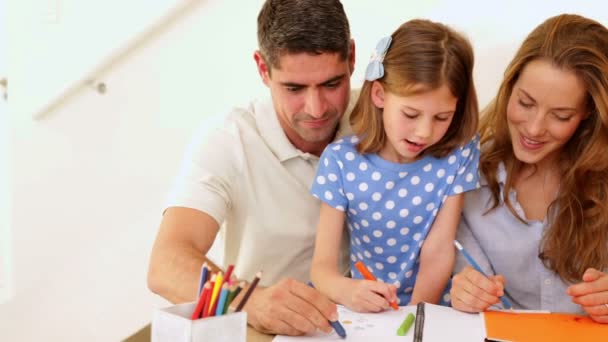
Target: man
252,177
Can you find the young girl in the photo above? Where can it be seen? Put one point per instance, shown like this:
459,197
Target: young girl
399,181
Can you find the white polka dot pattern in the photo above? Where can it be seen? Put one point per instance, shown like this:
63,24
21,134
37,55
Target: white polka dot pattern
391,207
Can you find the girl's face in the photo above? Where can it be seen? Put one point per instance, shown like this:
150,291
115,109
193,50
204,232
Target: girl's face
544,110
413,123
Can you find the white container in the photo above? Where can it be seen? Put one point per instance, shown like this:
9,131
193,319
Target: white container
173,324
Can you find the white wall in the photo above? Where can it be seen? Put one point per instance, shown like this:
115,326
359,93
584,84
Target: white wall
6,283
88,181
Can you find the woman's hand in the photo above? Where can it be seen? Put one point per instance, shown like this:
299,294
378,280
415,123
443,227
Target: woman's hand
369,295
592,294
473,292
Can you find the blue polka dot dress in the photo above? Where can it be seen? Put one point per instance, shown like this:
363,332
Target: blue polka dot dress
390,207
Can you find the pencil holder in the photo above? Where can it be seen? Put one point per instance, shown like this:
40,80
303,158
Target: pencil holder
174,324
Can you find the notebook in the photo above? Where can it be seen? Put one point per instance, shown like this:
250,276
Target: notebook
540,327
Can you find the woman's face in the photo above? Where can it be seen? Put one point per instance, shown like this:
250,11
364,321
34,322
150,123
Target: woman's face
546,107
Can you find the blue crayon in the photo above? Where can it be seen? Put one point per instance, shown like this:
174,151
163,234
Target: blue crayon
336,325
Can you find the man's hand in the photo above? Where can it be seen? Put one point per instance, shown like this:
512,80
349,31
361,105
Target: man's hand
289,308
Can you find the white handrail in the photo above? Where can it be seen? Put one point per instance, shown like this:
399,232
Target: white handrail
92,78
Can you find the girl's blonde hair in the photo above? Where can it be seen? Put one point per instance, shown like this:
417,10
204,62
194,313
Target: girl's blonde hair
423,56
577,237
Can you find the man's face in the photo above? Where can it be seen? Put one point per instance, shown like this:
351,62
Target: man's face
310,94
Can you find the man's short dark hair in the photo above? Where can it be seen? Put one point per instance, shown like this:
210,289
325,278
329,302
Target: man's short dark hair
295,26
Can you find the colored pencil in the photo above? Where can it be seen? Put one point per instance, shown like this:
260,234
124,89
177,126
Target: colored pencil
229,297
228,273
196,314
254,283
203,278
239,287
219,281
208,299
222,300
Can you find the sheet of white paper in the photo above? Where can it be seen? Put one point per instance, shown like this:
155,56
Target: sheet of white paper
440,324
446,324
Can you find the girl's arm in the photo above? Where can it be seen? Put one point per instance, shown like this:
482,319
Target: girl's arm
438,253
324,271
358,295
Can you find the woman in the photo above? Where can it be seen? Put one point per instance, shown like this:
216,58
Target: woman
539,224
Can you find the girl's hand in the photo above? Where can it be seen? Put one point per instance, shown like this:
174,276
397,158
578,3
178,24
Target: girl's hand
592,294
473,292
369,296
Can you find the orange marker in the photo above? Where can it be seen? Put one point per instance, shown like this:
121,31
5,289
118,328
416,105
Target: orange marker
369,276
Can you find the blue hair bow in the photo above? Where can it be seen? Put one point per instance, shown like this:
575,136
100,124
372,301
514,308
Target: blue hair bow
375,69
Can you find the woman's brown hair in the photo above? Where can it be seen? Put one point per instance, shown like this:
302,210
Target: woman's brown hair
577,236
423,56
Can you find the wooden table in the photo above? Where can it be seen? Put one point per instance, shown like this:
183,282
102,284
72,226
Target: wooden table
143,335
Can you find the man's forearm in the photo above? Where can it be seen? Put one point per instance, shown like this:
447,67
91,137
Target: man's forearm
174,274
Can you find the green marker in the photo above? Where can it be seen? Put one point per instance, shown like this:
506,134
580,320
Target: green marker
405,326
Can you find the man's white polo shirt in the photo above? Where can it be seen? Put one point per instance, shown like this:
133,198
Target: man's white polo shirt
252,180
